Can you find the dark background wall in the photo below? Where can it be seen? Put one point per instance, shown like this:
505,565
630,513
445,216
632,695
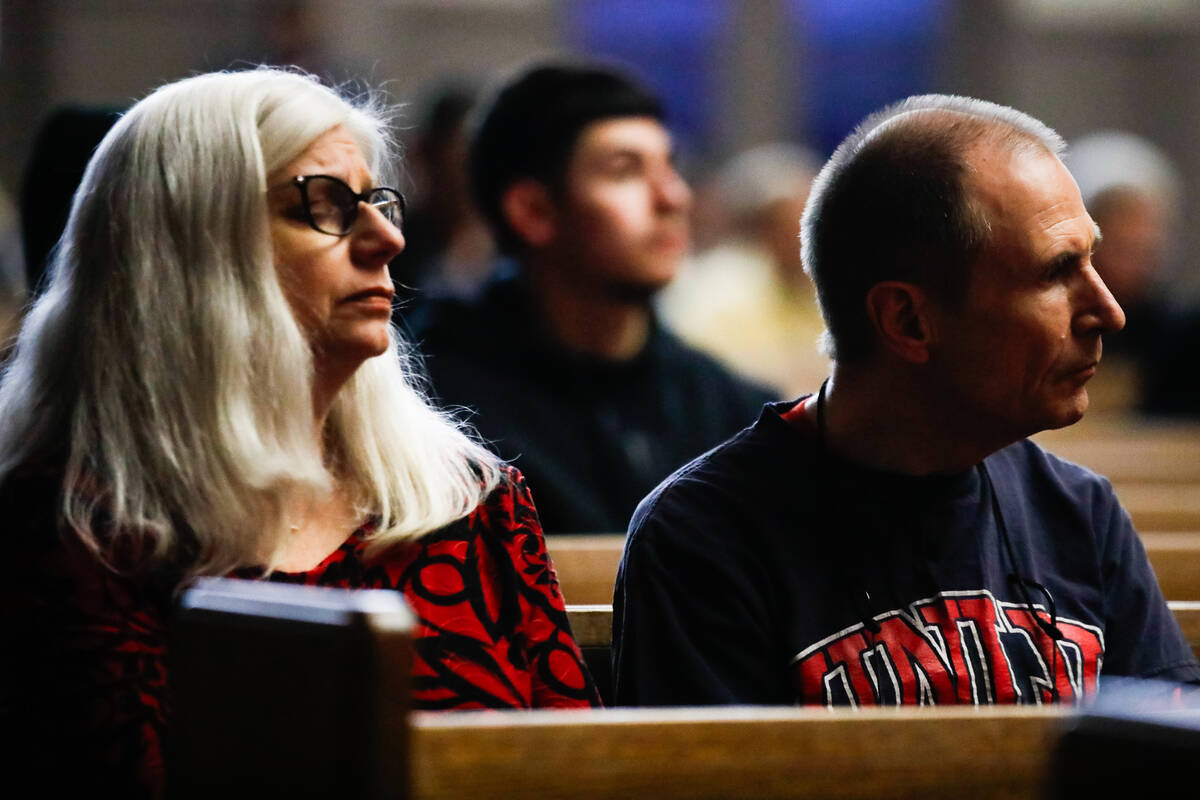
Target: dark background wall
737,72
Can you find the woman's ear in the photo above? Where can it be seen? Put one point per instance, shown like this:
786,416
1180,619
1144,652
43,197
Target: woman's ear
529,211
899,312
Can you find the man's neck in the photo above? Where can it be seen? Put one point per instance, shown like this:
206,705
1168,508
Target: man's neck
588,322
879,421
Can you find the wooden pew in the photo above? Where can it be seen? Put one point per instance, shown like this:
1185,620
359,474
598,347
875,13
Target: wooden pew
1161,506
1175,557
953,752
592,624
1154,505
1187,614
587,565
1130,449
1153,464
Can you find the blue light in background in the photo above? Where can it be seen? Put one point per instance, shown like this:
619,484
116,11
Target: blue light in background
860,55
671,44
854,57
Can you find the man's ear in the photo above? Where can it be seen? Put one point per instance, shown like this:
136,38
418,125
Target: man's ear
529,210
900,314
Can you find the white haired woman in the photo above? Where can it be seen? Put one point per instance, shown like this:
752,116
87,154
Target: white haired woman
211,385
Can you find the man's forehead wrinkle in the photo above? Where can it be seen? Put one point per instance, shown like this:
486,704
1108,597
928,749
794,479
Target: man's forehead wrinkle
1061,213
1066,238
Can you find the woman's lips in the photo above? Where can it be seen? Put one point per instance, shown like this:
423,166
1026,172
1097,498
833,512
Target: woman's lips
380,297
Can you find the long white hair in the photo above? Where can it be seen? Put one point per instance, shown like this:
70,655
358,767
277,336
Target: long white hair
163,362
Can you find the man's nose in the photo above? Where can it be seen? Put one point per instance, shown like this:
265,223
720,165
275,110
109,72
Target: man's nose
1101,313
672,191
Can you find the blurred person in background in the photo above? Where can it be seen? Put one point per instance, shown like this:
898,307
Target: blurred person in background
12,272
746,300
450,250
210,384
1133,191
561,353
62,148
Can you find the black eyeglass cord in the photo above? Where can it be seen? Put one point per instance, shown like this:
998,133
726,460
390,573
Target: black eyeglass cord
1023,584
1017,581
861,598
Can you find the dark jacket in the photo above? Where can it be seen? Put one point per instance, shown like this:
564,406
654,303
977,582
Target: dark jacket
591,436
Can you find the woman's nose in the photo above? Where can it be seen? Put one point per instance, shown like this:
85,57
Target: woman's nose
376,239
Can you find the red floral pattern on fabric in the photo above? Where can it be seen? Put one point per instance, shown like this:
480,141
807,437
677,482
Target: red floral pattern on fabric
492,633
492,628
88,687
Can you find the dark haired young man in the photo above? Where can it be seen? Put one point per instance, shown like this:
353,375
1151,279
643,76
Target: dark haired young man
895,538
561,355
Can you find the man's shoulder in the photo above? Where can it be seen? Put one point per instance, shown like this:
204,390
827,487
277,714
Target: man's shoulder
1030,458
1038,474
750,470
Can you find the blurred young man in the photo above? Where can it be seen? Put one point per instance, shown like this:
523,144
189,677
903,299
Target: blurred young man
561,355
895,538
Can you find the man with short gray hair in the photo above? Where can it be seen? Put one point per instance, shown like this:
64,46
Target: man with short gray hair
894,538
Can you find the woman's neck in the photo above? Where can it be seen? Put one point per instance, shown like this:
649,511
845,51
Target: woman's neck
316,528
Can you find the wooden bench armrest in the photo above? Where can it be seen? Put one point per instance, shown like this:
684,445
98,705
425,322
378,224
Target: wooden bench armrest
725,752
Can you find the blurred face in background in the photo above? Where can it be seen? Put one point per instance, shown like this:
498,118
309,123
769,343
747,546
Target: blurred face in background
621,223
1136,228
779,231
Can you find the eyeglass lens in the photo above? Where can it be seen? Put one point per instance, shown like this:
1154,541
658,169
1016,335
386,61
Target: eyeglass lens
333,206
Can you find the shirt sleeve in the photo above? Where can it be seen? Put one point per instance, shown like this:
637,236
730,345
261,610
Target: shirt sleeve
560,678
1142,636
691,611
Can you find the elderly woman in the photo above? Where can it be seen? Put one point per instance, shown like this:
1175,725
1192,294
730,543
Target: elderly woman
211,385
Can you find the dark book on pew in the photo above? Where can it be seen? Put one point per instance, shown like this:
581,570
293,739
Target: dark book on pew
288,691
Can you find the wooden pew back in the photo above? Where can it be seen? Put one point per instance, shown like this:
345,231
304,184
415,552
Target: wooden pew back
587,565
1161,506
592,624
1175,557
951,752
1129,449
996,752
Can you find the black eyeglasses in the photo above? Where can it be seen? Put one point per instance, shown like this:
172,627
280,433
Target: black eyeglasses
331,206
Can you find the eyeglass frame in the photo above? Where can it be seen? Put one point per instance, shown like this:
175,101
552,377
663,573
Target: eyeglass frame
301,182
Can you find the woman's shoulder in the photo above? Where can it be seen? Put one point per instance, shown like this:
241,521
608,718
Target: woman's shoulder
507,521
508,508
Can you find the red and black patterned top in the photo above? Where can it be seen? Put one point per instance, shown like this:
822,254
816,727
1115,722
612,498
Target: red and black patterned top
88,672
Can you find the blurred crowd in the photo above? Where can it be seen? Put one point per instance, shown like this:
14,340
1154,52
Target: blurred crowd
738,292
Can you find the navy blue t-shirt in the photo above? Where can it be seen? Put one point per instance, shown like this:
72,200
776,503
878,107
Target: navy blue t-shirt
769,571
